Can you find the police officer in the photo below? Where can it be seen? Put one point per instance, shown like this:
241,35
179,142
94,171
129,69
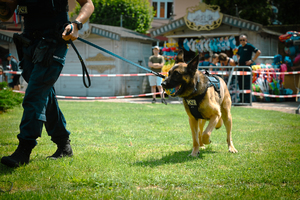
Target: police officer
244,54
46,32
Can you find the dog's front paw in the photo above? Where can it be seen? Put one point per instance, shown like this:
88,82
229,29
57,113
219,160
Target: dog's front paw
231,149
205,139
202,147
194,154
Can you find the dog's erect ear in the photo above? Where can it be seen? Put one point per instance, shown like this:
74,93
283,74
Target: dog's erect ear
193,65
180,56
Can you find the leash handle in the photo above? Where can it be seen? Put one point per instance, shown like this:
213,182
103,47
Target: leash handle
84,69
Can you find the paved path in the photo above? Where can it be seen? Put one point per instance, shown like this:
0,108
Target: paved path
287,107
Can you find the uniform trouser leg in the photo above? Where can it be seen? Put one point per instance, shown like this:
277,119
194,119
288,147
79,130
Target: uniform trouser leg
247,85
40,104
56,123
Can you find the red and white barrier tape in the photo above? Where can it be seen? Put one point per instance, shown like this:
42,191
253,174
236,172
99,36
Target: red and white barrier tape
116,97
96,75
142,74
150,94
275,96
91,98
239,73
11,72
270,72
109,75
240,91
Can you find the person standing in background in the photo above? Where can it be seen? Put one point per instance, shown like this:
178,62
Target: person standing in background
244,55
156,62
206,62
14,66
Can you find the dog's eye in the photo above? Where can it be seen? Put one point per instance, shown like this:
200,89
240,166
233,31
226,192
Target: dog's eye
176,73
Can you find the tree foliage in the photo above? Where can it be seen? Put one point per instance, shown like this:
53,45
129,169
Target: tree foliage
258,11
137,14
288,11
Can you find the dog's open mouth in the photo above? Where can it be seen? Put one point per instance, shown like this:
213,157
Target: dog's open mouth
173,91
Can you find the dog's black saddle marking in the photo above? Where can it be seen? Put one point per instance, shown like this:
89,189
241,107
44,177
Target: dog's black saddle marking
194,103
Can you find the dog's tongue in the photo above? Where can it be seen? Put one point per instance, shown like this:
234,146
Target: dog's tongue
177,87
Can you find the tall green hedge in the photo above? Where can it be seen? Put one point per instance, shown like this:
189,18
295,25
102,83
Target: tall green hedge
8,98
137,14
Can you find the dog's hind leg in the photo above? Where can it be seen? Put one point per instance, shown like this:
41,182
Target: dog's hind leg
194,128
226,116
201,124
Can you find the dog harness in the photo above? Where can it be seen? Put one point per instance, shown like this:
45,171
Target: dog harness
194,103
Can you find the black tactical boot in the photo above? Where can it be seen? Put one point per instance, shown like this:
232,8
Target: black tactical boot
63,149
21,155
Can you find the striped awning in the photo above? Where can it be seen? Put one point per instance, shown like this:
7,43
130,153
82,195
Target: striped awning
6,36
105,33
168,27
227,19
241,23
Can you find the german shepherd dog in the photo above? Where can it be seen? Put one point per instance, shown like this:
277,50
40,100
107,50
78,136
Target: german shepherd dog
187,82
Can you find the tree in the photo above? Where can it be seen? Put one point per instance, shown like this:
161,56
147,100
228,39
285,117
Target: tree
288,11
137,15
258,11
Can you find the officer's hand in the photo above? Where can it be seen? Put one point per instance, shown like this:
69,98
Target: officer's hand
70,33
249,62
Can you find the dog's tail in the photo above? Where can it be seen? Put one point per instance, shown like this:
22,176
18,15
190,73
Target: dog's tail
219,124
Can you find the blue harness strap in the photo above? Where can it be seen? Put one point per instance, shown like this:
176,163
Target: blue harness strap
194,103
214,81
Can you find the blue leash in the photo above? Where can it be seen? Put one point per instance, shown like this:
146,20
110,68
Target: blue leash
124,59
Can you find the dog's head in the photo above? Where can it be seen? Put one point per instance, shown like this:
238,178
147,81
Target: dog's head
180,81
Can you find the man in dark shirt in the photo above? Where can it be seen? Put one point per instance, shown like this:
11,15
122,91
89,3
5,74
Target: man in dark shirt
244,54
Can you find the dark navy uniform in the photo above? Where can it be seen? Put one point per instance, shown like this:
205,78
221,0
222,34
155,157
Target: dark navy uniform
43,20
42,51
245,53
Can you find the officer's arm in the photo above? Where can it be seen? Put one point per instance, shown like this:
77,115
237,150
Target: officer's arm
256,55
87,8
7,8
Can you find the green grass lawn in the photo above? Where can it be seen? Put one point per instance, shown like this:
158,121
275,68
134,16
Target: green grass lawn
140,151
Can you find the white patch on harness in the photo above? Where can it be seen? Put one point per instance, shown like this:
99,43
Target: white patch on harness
191,102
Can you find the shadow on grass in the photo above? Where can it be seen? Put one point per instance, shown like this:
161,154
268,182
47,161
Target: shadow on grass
174,157
5,186
5,170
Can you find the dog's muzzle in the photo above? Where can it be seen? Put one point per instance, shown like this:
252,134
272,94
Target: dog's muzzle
170,91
